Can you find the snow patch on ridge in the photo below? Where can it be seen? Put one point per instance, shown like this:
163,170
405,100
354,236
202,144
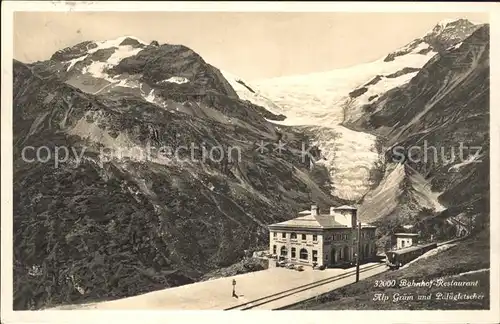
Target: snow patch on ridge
97,68
471,159
74,61
254,97
175,79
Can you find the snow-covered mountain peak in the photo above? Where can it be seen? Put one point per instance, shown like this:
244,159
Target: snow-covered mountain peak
119,41
452,24
95,57
448,32
128,66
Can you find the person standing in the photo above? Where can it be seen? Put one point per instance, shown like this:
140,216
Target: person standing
234,289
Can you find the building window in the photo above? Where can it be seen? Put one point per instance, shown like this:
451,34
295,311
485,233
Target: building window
303,254
293,253
275,234
315,256
283,251
274,249
304,237
293,236
283,235
315,238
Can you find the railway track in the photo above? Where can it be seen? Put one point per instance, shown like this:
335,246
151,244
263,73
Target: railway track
292,291
289,292
454,240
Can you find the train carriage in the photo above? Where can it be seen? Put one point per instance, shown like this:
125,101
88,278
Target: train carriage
398,258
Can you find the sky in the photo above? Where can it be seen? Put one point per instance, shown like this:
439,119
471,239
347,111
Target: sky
250,45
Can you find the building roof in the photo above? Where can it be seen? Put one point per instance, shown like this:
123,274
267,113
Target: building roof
324,221
344,207
406,234
310,221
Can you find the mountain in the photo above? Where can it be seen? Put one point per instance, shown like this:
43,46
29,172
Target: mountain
444,113
432,92
137,167
321,104
170,76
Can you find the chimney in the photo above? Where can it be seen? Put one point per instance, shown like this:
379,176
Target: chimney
314,210
354,218
332,212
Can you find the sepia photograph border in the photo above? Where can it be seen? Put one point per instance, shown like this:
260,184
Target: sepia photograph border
149,316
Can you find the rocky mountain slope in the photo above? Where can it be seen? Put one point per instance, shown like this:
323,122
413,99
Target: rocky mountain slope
117,213
438,126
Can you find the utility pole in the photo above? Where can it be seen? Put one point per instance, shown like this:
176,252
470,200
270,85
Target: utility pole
358,251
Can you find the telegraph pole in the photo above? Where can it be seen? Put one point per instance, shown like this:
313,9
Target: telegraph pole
358,251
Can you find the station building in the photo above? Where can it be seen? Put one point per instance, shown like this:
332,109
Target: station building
404,240
322,239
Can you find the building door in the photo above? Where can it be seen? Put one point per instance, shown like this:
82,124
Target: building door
346,253
333,256
303,255
283,251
